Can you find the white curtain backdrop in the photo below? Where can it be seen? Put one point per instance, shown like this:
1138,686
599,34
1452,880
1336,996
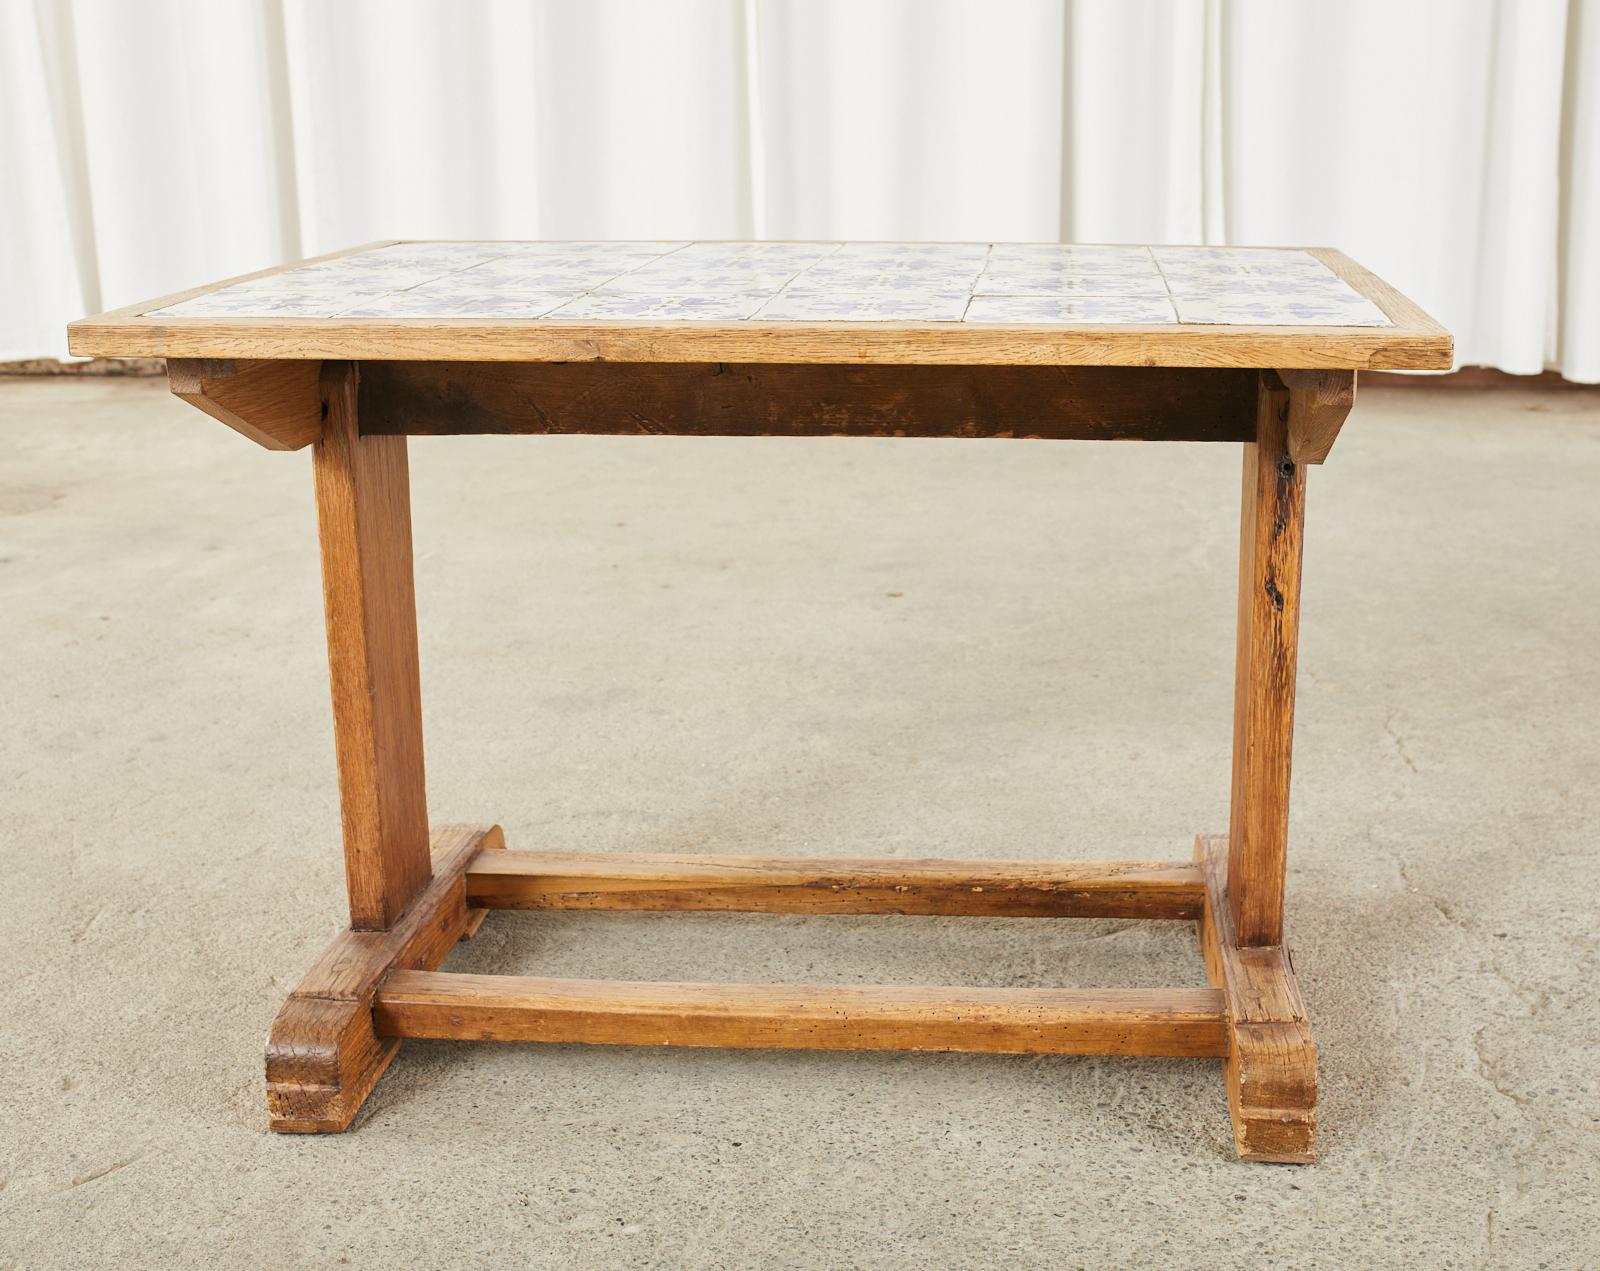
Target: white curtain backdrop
1451,145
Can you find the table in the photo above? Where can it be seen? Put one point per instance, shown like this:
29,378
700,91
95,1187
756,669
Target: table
352,353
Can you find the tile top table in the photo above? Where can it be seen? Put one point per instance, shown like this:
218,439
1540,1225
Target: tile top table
352,353
971,303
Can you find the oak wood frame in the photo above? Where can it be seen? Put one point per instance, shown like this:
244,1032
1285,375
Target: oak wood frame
379,982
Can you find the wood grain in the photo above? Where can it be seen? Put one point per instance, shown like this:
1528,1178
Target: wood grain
1188,1022
1414,342
1319,402
750,399
647,881
276,404
323,1057
1271,1066
364,523
1272,521
528,340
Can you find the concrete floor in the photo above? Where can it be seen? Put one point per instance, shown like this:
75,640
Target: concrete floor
995,649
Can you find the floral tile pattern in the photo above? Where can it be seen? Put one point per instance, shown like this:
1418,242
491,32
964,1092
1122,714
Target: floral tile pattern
427,303
868,306
1064,280
1141,310
690,308
1039,283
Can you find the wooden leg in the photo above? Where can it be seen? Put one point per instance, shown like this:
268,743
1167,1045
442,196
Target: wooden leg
1271,524
323,1055
1271,1066
364,520
1271,1069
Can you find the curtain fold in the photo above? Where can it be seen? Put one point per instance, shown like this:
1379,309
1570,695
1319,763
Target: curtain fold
1451,145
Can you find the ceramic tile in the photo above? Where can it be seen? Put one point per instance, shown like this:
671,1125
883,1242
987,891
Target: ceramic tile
1272,256
929,253
666,281
879,306
1256,311
691,308
600,249
444,256
426,304
359,281
259,306
1258,285
669,276
1085,259
512,273
793,256
859,275
398,271
1070,309
1311,272
1064,280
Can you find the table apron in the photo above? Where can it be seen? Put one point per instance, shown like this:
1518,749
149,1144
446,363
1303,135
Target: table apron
710,399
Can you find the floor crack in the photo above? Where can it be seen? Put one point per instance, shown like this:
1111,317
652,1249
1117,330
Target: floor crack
1490,1071
112,1168
1396,736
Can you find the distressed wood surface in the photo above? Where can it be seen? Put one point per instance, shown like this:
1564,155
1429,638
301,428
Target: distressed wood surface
323,1057
1272,520
1098,889
1414,341
1319,402
748,399
1182,1022
276,404
364,523
1271,1065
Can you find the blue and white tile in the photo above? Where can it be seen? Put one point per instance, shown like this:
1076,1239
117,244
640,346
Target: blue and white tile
594,251
668,277
221,305
1271,256
297,283
445,256
1202,273
1090,258
621,306
772,256
422,304
1109,310
1199,274
1258,311
912,255
837,277
521,274
1244,285
1065,280
367,266
315,280
880,306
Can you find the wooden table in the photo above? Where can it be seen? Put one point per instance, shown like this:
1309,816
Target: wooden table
351,353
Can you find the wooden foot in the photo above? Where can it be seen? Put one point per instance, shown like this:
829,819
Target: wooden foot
1271,1066
323,1057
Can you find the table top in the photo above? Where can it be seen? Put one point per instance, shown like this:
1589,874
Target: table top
958,303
